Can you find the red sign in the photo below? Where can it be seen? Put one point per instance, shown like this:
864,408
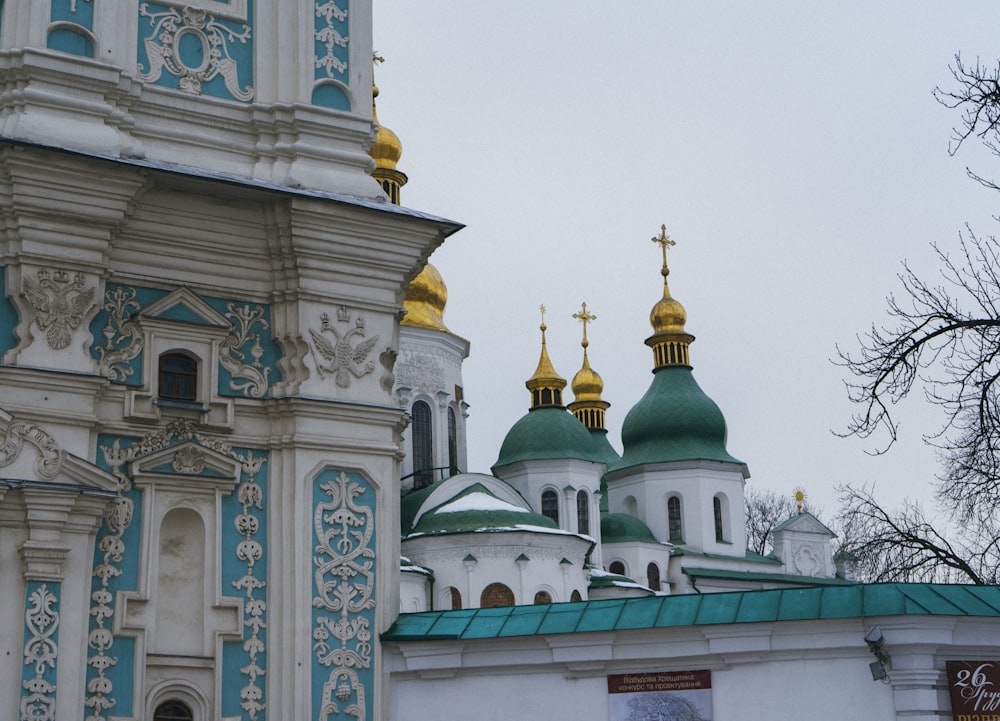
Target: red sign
975,690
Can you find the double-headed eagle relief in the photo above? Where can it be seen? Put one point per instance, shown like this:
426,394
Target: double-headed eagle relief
59,304
343,359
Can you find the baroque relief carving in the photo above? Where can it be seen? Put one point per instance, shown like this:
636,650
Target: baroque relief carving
50,455
329,37
59,304
344,359
251,378
345,583
419,372
162,45
40,650
100,699
123,339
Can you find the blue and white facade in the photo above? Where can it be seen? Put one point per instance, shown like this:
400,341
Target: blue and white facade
200,288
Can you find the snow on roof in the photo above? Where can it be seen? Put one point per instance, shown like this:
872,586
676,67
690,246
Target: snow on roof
479,501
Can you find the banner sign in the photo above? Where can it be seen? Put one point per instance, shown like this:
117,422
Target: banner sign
671,696
975,690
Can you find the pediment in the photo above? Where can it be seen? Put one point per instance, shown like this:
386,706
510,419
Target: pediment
805,523
188,458
29,452
185,306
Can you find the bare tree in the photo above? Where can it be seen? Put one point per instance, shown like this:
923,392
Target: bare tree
943,336
764,511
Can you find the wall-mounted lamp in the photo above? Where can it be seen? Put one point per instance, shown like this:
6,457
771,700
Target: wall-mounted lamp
875,642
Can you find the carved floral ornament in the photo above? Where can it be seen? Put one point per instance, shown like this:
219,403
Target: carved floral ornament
41,621
343,359
328,36
163,48
50,456
59,304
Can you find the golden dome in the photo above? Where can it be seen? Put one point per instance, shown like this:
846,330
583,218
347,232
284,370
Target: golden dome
668,315
425,300
387,149
587,384
545,385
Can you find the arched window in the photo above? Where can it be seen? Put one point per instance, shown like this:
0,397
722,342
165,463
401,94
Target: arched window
719,507
583,513
542,597
675,529
496,594
617,567
550,505
452,443
423,445
178,377
456,599
653,577
575,596
173,711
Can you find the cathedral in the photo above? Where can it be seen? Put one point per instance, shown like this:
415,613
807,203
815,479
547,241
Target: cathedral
233,469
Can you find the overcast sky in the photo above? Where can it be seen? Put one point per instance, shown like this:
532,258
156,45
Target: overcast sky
794,151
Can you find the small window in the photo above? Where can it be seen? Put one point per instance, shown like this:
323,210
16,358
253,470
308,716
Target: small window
423,445
575,596
653,577
456,599
178,377
452,443
542,597
173,711
718,512
550,505
617,567
496,594
583,513
675,528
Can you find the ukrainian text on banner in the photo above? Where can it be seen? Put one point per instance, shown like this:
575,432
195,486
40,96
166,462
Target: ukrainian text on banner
975,690
680,695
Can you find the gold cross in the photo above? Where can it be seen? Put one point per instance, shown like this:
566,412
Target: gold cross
663,240
377,59
584,317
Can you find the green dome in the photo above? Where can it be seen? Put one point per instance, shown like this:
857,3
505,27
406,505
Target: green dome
477,509
602,446
621,527
674,421
547,432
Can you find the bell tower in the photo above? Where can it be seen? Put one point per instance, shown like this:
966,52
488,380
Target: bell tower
240,87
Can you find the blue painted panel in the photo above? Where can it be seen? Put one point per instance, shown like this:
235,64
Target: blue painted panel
331,40
331,96
80,12
343,618
8,316
244,572
214,55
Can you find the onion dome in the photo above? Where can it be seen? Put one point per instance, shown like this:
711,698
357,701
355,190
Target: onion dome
588,406
425,300
622,528
476,508
669,340
675,420
386,152
547,431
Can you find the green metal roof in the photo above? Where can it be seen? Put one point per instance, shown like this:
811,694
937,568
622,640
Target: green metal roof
547,432
673,421
745,576
602,446
498,515
621,527
797,604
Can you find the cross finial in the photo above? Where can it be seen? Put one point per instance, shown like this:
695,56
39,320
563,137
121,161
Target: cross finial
376,58
584,317
800,498
663,240
543,327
